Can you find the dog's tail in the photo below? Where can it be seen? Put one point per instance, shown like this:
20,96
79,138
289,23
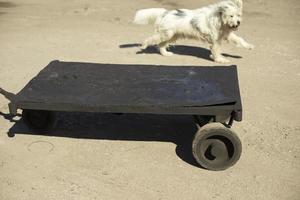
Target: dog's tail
148,16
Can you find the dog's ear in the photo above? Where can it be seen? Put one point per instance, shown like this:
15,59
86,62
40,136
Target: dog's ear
222,9
239,3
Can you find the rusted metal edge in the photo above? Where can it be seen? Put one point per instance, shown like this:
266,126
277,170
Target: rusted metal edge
11,97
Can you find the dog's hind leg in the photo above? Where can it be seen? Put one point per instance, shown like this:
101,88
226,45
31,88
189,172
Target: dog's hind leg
164,45
216,53
167,38
161,39
163,49
153,40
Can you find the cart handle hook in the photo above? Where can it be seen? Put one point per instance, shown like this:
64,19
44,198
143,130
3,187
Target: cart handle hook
8,95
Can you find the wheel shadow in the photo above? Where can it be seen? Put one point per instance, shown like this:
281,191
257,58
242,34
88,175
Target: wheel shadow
185,50
129,127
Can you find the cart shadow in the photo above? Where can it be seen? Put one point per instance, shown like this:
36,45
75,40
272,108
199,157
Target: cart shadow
185,50
132,127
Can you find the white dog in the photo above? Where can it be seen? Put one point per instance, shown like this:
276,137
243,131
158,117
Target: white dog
213,24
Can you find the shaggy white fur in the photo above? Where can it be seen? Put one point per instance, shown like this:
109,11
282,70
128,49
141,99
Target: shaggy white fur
214,24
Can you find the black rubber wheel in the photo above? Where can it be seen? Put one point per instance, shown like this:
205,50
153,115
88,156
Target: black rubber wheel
216,147
38,119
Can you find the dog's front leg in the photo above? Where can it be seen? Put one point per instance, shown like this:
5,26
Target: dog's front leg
216,53
240,42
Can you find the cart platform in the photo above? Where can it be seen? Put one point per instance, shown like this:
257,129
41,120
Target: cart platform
116,88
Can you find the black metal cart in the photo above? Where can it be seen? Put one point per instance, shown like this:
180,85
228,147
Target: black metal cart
210,94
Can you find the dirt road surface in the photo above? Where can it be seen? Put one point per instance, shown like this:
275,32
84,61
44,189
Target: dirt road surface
147,157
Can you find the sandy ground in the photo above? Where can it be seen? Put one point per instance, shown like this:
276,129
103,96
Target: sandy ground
146,157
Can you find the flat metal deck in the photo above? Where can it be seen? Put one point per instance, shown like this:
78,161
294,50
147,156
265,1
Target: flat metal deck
89,87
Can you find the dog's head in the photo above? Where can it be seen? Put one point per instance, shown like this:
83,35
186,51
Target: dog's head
231,13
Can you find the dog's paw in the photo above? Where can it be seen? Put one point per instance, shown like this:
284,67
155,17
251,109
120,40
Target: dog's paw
143,46
249,46
164,52
167,53
221,60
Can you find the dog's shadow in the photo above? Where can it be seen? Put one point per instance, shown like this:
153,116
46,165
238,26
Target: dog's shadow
198,52
129,127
